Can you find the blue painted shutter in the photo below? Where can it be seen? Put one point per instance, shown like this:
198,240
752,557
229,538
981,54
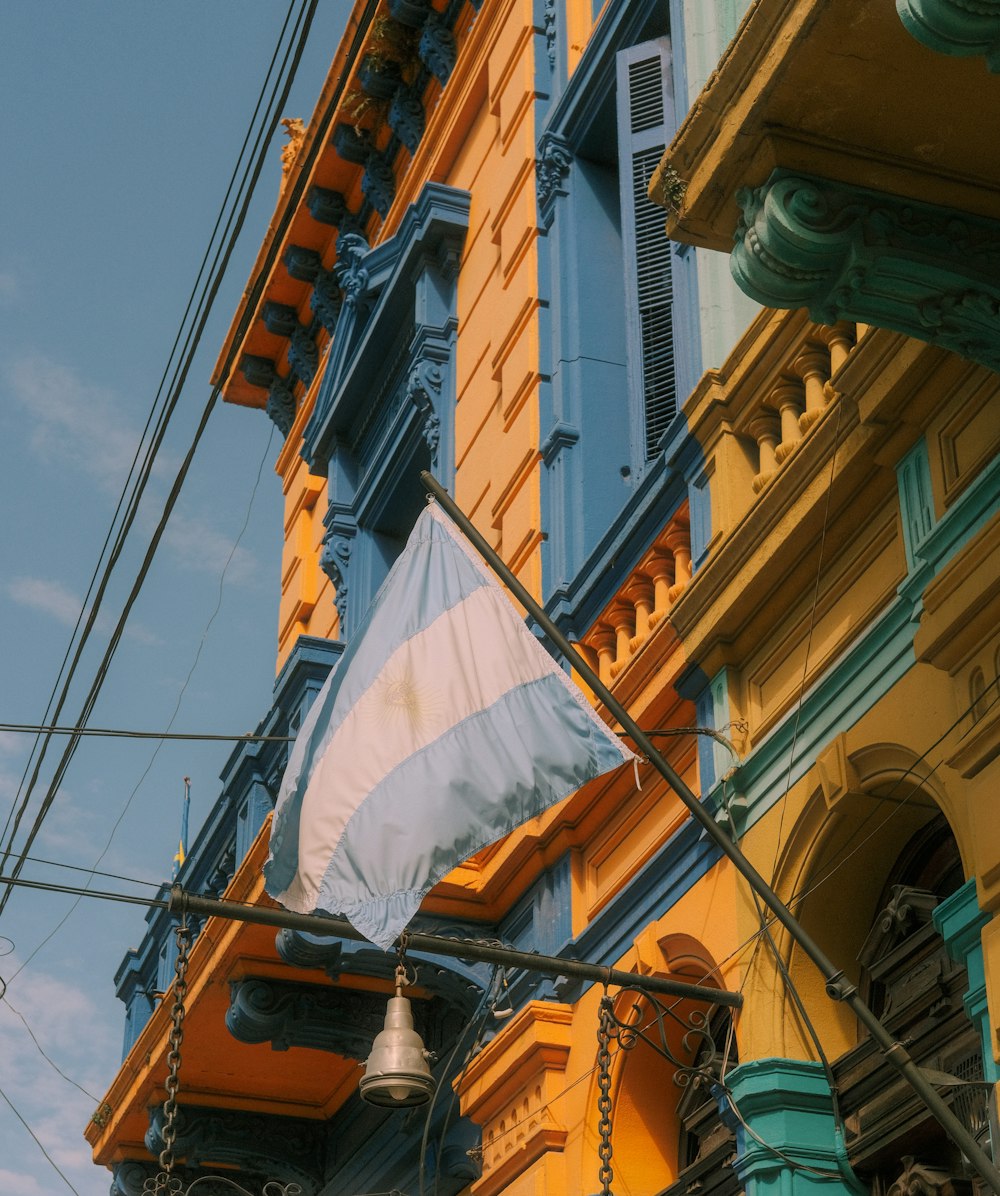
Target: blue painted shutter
645,125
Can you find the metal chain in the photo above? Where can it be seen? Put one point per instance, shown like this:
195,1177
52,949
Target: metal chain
164,1184
605,1174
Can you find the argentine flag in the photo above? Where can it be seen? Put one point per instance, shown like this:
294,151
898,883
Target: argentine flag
443,726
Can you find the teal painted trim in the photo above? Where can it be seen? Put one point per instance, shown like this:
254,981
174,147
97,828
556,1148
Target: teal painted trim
960,922
872,665
916,503
955,27
866,671
787,1139
850,253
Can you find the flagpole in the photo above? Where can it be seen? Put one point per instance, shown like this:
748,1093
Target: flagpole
838,987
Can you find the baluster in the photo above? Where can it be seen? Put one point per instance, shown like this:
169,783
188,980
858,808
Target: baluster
622,619
787,397
640,591
602,639
812,366
841,339
678,540
764,428
661,570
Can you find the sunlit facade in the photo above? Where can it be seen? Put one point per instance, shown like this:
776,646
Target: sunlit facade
772,530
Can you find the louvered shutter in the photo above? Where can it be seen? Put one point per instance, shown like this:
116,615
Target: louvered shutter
645,125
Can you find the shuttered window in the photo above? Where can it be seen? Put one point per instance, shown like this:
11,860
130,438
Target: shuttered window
645,124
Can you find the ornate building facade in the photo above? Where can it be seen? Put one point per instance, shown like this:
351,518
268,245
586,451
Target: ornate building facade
772,530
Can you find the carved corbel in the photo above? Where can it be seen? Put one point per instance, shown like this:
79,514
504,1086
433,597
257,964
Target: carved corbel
351,273
436,48
378,183
334,560
551,171
870,257
423,389
339,1020
955,27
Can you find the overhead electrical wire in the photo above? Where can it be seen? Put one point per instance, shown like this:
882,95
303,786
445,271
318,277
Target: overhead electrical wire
137,482
38,1141
292,59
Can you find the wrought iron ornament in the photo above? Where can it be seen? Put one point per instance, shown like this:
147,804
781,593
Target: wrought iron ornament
164,1183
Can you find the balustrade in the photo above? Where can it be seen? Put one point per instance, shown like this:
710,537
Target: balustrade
798,397
642,602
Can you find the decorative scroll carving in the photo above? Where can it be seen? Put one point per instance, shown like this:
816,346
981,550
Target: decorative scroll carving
288,1149
132,1176
411,13
423,389
351,273
920,1180
456,984
281,404
378,183
302,264
338,1020
956,27
863,255
407,118
334,560
258,371
325,300
549,24
303,356
353,145
326,206
437,48
553,165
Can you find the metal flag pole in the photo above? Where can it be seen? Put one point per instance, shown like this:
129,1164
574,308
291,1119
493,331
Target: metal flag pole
838,987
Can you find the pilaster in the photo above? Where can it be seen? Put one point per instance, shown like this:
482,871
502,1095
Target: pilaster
786,1136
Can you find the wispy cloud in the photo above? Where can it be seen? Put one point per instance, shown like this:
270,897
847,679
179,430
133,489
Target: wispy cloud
51,598
73,423
55,1009
197,545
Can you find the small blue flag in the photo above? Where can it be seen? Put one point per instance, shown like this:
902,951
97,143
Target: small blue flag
444,725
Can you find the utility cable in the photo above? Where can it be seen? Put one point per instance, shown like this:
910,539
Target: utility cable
38,1143
41,1050
119,733
179,479
177,705
136,482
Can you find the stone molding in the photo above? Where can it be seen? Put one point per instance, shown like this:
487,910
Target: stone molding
857,254
959,28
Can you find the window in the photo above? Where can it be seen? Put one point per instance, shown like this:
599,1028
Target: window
618,295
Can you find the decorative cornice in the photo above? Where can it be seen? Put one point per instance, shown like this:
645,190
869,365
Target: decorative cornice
339,1020
956,27
856,254
288,1149
561,435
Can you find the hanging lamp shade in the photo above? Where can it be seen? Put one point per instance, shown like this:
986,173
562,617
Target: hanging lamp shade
397,1073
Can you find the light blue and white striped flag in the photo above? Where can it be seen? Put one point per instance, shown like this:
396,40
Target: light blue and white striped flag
443,726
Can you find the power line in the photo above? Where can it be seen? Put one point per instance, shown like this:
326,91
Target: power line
38,1142
302,31
119,733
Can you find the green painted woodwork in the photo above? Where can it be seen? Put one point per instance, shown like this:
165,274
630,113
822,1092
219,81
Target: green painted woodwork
916,504
956,27
786,1136
849,253
960,922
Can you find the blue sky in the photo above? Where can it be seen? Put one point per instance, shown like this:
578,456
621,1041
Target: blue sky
119,127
